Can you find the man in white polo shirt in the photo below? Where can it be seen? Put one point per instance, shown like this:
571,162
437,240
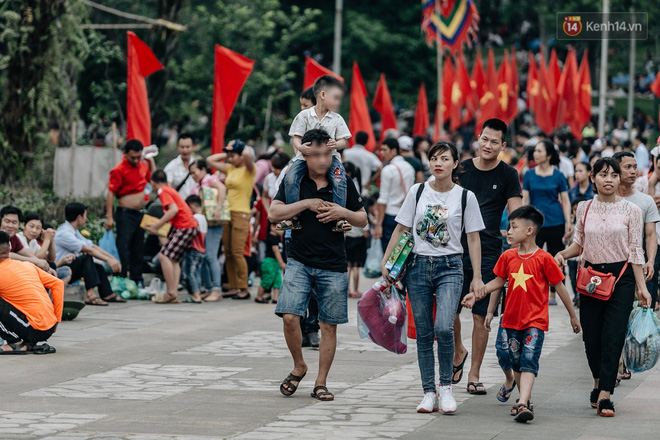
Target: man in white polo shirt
395,180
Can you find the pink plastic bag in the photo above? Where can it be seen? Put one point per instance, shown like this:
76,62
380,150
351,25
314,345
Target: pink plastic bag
382,317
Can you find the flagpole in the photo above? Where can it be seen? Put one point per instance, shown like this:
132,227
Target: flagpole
439,61
602,98
336,62
631,82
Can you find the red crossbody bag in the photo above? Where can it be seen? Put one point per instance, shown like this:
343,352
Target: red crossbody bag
591,282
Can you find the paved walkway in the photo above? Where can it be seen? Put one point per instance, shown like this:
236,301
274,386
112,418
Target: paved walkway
141,371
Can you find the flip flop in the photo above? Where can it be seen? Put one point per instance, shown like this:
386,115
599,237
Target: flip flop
320,392
160,299
287,382
457,369
476,386
114,298
504,395
43,349
264,300
192,301
15,350
96,301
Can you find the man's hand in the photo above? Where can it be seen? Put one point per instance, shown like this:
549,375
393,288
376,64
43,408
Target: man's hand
49,234
478,287
487,321
648,271
52,271
330,212
315,205
305,148
153,229
469,300
65,260
575,324
377,233
109,224
114,265
332,144
41,264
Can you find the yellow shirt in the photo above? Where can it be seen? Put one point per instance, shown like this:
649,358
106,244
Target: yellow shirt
239,184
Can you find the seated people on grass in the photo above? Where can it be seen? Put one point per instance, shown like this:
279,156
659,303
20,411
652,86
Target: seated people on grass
27,313
69,240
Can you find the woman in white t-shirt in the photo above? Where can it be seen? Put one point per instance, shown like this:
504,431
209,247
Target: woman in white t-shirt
435,271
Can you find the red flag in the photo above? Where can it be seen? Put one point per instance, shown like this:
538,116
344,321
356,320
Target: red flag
545,100
231,71
503,85
383,104
461,94
314,70
553,78
477,80
488,104
655,85
421,113
514,87
359,119
141,63
584,92
436,126
567,96
532,84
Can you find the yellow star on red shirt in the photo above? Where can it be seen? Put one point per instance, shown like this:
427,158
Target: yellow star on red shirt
521,278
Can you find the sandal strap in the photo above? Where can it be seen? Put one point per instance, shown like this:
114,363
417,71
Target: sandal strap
605,404
321,390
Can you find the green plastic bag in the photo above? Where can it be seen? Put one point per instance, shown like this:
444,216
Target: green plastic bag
124,288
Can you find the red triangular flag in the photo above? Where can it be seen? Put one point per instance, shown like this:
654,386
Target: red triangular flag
141,63
421,113
231,71
566,92
532,83
584,92
553,78
359,119
448,76
655,85
477,80
383,104
460,94
488,104
545,100
503,85
314,70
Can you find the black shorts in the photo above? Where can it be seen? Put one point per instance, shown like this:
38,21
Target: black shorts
488,263
356,251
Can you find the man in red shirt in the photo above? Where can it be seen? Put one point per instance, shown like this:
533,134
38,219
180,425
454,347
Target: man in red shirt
127,183
184,230
27,314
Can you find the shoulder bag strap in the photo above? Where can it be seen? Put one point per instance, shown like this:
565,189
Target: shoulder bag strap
463,203
420,190
180,185
584,235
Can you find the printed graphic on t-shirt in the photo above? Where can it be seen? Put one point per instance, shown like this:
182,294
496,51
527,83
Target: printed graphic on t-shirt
521,278
433,227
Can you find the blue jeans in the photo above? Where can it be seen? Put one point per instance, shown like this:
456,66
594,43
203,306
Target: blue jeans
519,350
438,279
191,267
389,224
336,175
301,282
211,272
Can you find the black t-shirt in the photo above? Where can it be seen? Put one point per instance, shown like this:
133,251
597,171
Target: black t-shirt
493,189
273,240
415,163
315,245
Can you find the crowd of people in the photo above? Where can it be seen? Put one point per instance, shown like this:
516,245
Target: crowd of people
485,217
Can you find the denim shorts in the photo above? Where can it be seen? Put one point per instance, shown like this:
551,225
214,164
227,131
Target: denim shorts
331,290
519,350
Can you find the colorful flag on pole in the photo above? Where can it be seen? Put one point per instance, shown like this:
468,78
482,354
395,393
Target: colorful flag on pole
359,119
421,113
314,70
141,63
457,22
231,71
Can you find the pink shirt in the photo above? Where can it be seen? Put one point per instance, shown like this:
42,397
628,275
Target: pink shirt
263,169
613,232
206,182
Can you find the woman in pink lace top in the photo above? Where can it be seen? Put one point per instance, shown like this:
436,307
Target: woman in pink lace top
611,236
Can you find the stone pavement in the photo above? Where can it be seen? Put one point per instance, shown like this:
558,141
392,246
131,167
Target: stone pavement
141,371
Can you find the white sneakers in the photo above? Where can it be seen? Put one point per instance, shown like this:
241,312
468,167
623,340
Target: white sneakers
429,403
443,399
447,401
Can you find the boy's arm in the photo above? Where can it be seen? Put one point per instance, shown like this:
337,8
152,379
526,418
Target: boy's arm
492,306
341,144
278,256
563,295
494,285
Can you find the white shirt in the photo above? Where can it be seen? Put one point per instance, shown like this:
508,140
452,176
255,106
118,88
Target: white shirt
566,167
642,157
202,224
270,185
437,222
392,191
34,245
367,162
332,123
176,172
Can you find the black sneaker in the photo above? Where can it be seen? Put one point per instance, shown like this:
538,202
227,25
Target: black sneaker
314,340
305,341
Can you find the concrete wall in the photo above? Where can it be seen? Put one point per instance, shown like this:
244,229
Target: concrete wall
83,171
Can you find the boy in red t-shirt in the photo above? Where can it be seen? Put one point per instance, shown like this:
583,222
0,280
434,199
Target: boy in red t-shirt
184,230
530,271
